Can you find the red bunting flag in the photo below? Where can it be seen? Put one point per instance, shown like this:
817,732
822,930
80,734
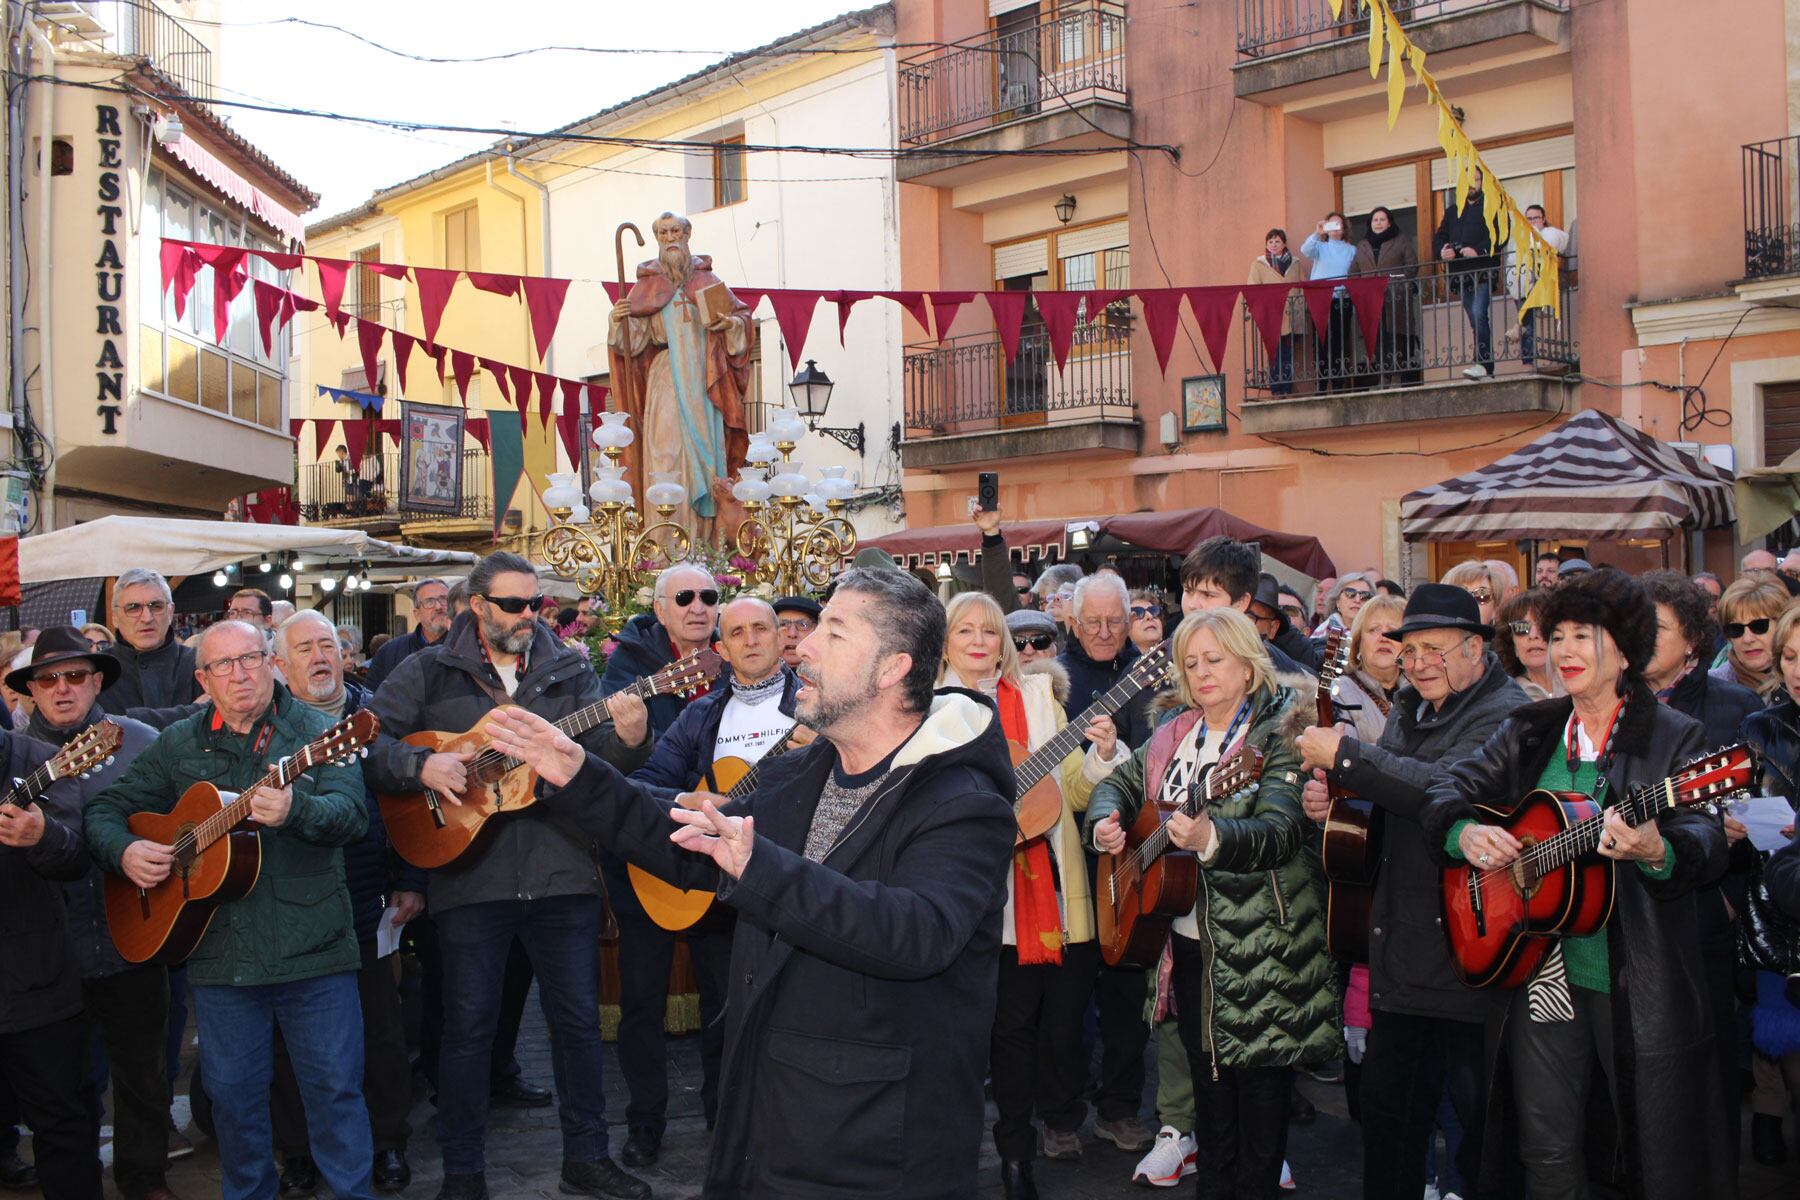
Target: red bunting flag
323,428
1318,302
544,302
1212,308
1058,310
750,297
1009,314
368,339
546,385
280,260
793,314
228,281
356,437
332,275
403,348
1369,295
914,303
597,394
943,310
1162,316
613,290
274,308
498,371
180,267
568,420
435,285
500,285
521,397
477,428
463,367
845,301
386,270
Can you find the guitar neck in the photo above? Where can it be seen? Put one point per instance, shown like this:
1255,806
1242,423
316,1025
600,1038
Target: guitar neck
234,814
23,793
747,784
1043,760
1583,837
1198,799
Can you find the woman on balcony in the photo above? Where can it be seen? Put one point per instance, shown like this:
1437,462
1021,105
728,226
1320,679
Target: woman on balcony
1388,250
1332,258
1277,264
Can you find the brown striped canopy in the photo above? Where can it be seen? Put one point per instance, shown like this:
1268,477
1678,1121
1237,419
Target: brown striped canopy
1591,477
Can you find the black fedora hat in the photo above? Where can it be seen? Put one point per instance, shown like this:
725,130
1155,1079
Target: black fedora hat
1441,606
61,644
800,604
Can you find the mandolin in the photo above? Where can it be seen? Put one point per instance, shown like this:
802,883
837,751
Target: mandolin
1351,852
88,750
218,852
1040,803
676,909
1150,883
1500,921
429,830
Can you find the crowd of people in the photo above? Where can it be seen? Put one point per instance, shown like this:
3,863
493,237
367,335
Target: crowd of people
886,947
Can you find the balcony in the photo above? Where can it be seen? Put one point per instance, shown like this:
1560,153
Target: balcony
1772,208
1414,372
965,403
1060,82
1294,51
326,498
138,29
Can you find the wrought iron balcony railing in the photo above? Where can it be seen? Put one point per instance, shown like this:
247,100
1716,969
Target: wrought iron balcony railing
330,496
1772,208
967,386
1277,26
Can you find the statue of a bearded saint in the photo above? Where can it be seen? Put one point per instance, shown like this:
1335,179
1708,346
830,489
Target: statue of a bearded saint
684,372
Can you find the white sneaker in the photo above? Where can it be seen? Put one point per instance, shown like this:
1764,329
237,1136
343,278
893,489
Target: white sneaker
1475,372
1287,1177
1170,1160
1431,1192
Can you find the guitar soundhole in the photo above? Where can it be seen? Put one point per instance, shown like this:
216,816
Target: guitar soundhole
185,856
1524,880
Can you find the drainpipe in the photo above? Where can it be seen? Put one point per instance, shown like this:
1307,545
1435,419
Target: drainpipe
41,273
524,247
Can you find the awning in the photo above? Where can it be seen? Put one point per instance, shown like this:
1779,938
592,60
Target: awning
1591,477
111,545
1767,498
1174,532
215,171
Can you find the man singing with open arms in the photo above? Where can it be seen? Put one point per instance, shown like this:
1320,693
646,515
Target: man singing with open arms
869,887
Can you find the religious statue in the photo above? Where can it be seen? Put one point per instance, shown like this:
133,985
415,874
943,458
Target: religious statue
679,346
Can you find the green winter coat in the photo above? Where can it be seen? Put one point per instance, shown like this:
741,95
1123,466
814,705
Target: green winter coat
295,923
1272,989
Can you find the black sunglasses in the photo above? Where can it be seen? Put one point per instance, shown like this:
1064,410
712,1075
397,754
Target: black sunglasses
1735,629
1041,642
514,605
1146,610
685,597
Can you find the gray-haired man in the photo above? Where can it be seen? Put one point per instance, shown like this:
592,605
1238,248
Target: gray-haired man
431,604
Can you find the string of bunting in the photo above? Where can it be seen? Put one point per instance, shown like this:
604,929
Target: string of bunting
1212,307
1537,258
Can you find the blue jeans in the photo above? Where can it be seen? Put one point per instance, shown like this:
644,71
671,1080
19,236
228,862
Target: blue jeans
321,1021
562,936
1281,371
1476,298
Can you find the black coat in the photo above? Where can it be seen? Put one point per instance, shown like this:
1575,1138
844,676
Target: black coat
1409,960
1672,1124
643,648
1721,707
525,855
1466,227
1301,652
373,871
149,680
1088,679
393,652
39,980
1774,733
862,988
685,752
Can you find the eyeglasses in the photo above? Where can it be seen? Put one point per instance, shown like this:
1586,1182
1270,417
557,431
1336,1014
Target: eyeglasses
221,668
1356,593
1427,656
797,625
1039,642
1522,628
514,605
685,597
1735,629
1139,611
137,607
75,675
1025,590
434,602
1096,624
244,614
1482,595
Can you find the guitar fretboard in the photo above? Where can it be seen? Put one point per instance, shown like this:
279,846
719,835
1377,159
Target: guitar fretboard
1221,782
1043,760
747,784
28,789
234,814
1561,849
583,719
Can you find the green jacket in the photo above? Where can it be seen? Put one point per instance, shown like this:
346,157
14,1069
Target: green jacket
1272,990
295,923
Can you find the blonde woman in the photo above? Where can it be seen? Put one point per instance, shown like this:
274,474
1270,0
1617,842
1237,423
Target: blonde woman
1747,613
1366,691
1477,579
1049,959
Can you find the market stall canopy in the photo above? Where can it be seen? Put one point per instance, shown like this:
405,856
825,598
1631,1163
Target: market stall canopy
1174,532
1767,498
1591,477
114,544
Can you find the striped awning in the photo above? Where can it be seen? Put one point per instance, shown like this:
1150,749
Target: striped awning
1591,477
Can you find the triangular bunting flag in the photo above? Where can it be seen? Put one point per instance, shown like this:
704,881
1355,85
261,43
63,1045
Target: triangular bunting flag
568,420
369,336
546,385
228,281
463,367
521,394
498,371
1009,314
356,436
914,303
403,348
323,428
544,302
435,285
1212,308
750,297
1369,295
1267,303
332,275
1318,302
793,314
943,310
269,303
1058,310
1162,316
500,285
386,270
477,428
845,301
280,260
613,290
180,267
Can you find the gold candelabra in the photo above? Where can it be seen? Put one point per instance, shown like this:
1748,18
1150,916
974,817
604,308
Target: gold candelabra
613,552
796,547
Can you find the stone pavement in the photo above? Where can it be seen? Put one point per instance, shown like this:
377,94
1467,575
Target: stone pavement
524,1146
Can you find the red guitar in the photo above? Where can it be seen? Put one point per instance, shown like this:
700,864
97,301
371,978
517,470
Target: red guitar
1500,921
1150,883
1352,848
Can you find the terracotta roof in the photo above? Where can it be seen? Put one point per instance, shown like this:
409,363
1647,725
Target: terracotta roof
304,198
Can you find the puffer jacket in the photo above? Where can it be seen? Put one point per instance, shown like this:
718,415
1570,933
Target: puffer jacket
1774,733
1671,1102
1262,906
641,648
38,980
92,943
295,923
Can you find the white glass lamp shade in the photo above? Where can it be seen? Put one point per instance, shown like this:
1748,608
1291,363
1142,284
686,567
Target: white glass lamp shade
613,433
563,491
791,482
815,506
664,490
786,426
328,583
579,513
609,486
833,485
761,448
752,486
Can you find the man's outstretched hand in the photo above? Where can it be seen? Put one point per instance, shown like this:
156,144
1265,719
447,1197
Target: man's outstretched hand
726,840
537,743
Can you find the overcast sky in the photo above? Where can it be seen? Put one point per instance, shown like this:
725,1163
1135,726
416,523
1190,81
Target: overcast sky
268,61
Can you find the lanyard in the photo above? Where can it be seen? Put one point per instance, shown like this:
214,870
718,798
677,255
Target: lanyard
1603,749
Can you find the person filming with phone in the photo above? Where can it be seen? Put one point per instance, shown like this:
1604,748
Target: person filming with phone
1332,257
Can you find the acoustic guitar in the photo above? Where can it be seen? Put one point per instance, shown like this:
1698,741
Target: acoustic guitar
677,909
217,850
1150,883
1040,800
431,830
88,750
1500,921
1351,851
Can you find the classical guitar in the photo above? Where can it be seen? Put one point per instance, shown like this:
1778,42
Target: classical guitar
1500,921
218,852
88,750
1148,884
676,909
1352,845
430,830
1040,800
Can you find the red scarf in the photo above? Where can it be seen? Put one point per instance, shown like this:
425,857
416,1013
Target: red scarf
1037,921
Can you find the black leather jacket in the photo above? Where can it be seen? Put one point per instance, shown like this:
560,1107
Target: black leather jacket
1774,733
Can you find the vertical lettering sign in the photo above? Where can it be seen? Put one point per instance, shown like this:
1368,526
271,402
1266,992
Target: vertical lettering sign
109,272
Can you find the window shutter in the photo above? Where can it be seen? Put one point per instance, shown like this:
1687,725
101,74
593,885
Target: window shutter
1098,237
1396,187
1781,421
1021,258
1525,158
